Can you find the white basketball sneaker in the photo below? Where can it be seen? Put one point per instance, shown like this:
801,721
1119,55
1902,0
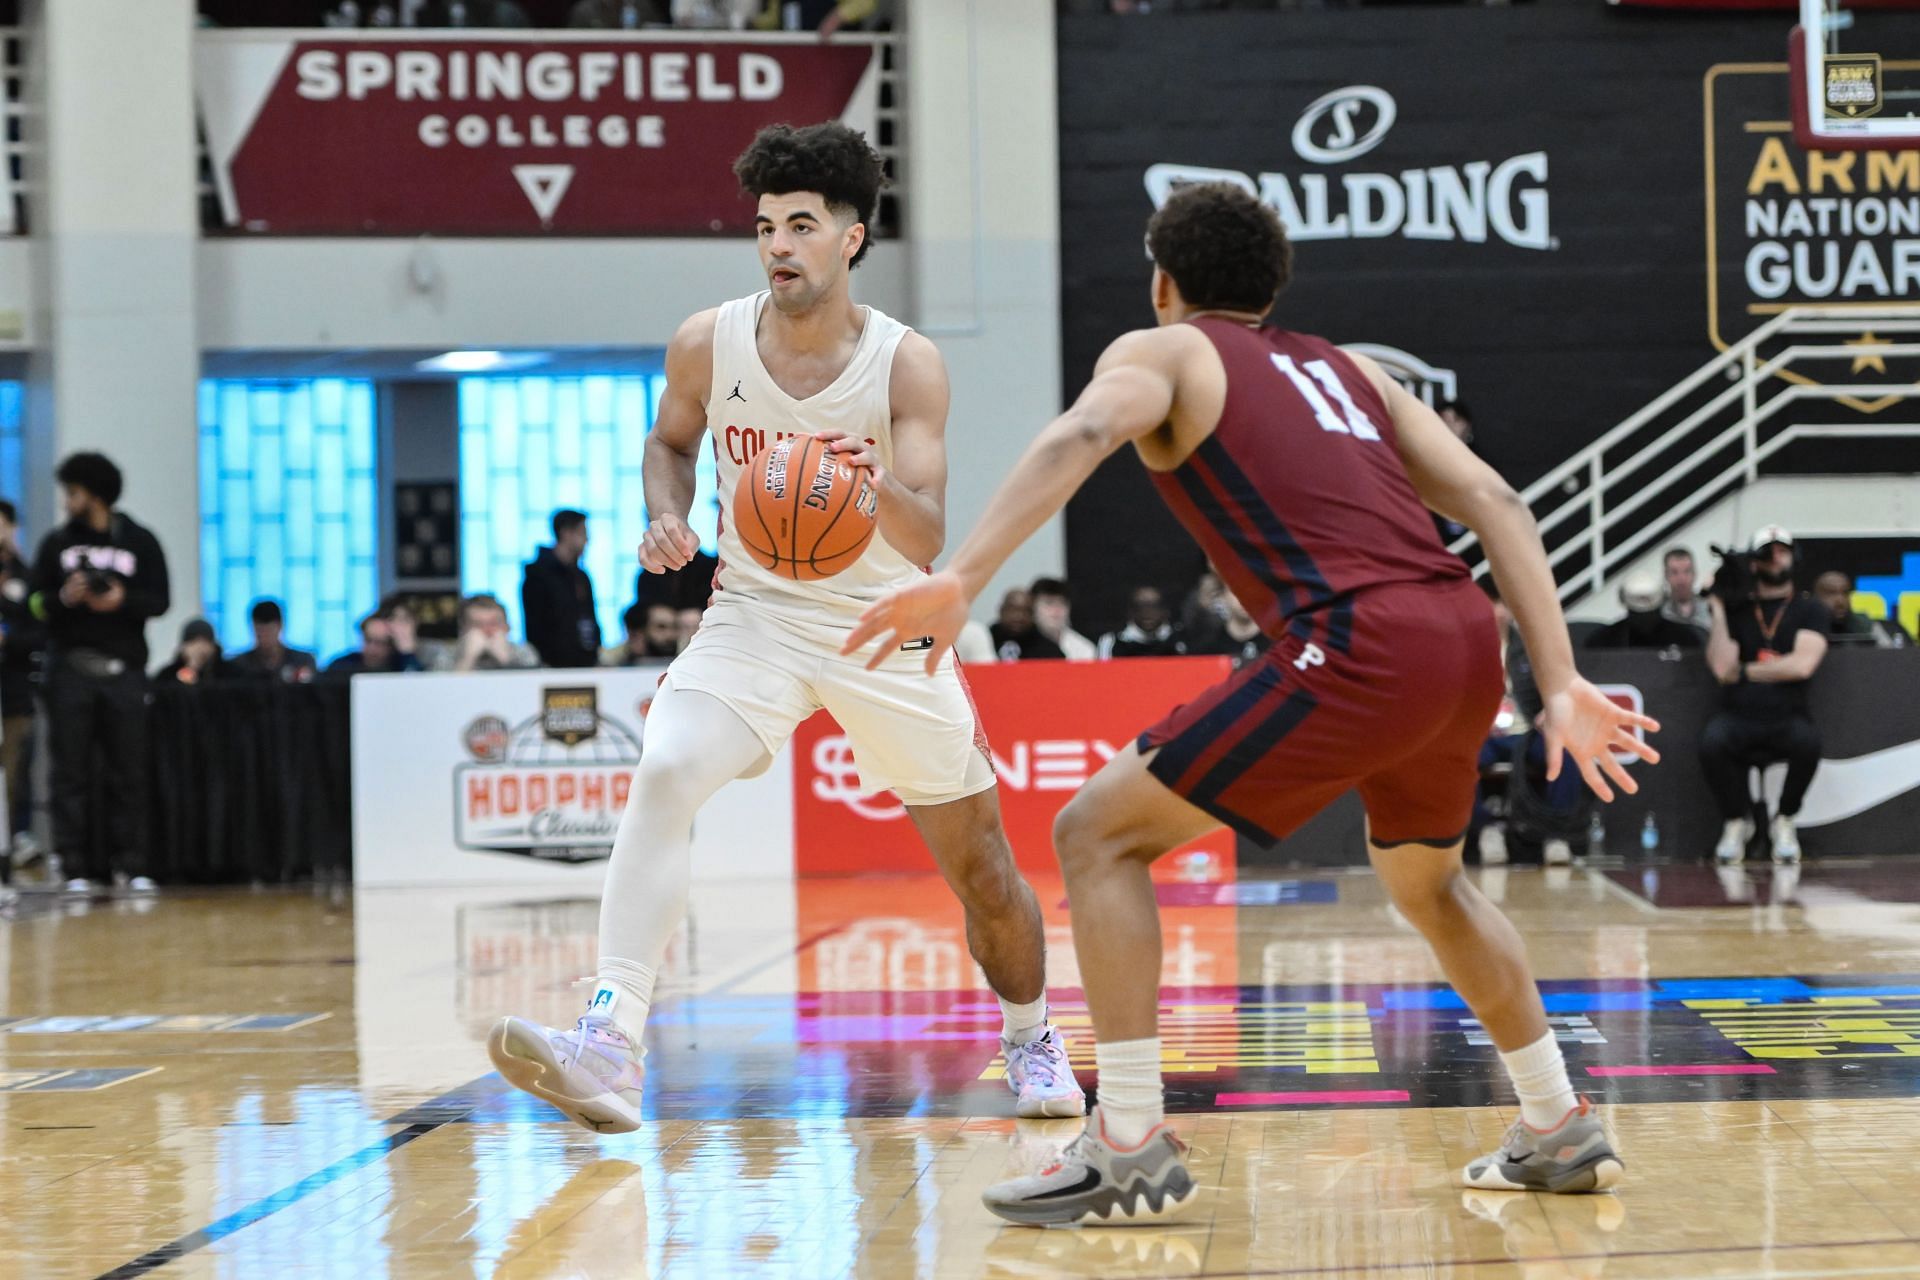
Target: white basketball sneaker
592,1073
1732,848
1042,1079
1786,841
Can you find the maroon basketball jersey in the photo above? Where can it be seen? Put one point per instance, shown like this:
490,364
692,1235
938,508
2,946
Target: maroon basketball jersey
1299,496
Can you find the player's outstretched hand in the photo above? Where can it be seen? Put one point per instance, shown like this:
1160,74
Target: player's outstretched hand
668,544
1584,724
935,606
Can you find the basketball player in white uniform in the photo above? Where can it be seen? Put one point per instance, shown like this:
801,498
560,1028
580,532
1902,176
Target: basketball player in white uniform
800,357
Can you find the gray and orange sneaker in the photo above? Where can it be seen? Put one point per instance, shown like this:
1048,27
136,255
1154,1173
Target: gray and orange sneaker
1042,1079
1573,1157
1095,1181
592,1073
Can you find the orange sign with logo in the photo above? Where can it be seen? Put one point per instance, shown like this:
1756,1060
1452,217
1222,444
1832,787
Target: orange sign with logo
1052,725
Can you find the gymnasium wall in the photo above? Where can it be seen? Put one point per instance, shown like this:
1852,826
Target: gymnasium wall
1523,202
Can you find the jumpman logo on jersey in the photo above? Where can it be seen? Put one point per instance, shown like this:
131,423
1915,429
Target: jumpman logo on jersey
735,394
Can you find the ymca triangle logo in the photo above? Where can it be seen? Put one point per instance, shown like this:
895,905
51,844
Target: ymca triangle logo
546,186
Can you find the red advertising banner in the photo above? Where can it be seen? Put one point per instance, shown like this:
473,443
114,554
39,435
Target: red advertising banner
1051,724
510,135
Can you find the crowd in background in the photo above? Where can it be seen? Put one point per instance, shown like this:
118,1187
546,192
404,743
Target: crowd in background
822,16
73,625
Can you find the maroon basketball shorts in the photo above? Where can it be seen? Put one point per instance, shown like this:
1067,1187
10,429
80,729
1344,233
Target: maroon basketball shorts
1393,702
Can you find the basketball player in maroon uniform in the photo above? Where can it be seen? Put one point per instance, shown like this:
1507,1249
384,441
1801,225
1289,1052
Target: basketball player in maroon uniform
1302,470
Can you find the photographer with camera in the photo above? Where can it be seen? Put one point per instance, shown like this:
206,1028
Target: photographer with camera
97,581
1764,647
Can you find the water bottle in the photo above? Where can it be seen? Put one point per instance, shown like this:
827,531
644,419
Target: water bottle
1596,834
457,14
630,17
1649,835
350,14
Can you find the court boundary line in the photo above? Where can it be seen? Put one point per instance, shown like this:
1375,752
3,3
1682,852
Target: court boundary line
265,1207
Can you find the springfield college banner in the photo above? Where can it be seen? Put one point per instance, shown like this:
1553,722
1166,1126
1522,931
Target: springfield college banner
506,135
1551,213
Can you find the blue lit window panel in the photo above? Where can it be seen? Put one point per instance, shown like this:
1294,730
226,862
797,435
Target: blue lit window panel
288,507
12,473
532,445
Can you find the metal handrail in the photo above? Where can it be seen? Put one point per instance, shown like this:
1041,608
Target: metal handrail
1586,519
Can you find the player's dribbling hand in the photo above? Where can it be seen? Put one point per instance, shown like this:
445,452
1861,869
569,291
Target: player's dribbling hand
934,606
668,545
853,451
1584,724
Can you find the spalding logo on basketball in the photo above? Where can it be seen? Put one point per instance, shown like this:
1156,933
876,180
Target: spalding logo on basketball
801,512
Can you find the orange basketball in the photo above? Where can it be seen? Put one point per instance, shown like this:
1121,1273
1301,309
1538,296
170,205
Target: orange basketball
802,512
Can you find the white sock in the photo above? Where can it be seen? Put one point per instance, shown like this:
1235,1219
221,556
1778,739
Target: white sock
1021,1023
624,994
1539,1076
1131,1099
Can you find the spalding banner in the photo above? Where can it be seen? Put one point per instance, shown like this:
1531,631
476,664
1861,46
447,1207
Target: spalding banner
1552,213
506,135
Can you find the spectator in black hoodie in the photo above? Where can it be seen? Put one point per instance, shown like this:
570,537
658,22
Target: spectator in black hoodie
21,640
556,598
97,581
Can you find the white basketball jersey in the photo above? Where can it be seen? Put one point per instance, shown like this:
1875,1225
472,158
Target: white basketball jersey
747,410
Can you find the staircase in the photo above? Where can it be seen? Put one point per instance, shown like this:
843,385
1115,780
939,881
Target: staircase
1787,383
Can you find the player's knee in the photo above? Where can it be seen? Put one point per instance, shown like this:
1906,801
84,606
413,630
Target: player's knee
669,779
1430,899
1080,838
988,882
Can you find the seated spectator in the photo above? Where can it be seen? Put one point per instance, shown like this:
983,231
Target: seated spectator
687,621
1645,626
484,644
1834,590
1203,613
715,15
1053,618
472,13
1149,632
270,659
377,654
653,636
405,630
975,644
688,587
1684,603
1239,636
618,15
197,660
1014,636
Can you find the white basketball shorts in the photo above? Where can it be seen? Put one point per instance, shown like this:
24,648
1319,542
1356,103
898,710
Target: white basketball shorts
913,734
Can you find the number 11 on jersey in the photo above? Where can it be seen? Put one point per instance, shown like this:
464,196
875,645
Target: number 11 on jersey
1349,421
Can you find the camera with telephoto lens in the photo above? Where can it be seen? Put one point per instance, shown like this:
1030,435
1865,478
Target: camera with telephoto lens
98,583
1733,580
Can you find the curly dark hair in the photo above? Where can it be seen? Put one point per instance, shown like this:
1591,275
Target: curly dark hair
829,158
93,472
1223,246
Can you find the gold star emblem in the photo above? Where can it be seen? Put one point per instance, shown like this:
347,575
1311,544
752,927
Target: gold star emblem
1868,360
